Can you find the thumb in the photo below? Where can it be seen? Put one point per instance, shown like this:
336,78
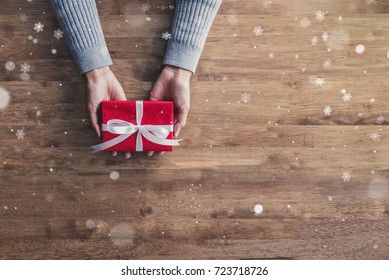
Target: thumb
157,91
118,92
182,114
94,120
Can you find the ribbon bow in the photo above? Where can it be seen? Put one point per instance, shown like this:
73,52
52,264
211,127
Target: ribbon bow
154,133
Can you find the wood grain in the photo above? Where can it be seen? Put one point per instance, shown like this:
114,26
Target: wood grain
276,147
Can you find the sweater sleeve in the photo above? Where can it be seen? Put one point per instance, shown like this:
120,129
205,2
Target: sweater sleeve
83,33
190,27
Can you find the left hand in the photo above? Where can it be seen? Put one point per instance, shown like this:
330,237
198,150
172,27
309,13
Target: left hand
174,84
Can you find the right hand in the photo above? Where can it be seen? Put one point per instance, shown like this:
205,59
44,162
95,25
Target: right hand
102,85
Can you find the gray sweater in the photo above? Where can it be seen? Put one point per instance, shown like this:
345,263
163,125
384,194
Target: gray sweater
80,22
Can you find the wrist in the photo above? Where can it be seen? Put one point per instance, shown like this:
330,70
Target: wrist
94,74
179,72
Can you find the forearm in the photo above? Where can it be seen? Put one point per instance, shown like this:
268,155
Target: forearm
80,22
190,27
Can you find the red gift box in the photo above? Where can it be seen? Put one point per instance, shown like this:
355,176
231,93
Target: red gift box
137,126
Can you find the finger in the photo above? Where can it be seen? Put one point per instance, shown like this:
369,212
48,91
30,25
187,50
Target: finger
119,93
160,153
154,96
114,154
182,115
149,153
94,121
127,155
156,91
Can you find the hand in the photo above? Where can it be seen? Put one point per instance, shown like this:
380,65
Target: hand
102,85
174,84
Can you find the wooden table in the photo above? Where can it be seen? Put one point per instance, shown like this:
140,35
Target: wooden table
288,119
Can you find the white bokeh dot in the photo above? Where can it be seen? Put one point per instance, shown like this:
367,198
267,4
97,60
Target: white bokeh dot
4,98
90,224
10,65
258,209
360,49
114,175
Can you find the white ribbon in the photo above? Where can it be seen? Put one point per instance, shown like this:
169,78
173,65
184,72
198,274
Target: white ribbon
154,133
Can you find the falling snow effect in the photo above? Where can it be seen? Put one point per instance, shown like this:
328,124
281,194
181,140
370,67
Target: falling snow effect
327,110
245,97
380,119
327,63
314,40
305,22
58,34
54,51
25,67
122,234
114,175
4,98
258,31
378,189
372,2
360,49
38,27
325,36
23,17
20,133
90,224
10,65
258,209
145,7
346,95
35,41
346,176
319,81
375,136
166,36
320,15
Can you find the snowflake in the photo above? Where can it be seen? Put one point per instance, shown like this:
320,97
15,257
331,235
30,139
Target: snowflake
375,136
20,133
325,36
320,81
372,2
327,110
320,15
271,55
346,176
25,67
166,36
54,51
246,97
145,7
35,41
58,34
23,17
38,27
258,31
148,18
171,7
380,119
314,40
30,37
346,95
327,63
